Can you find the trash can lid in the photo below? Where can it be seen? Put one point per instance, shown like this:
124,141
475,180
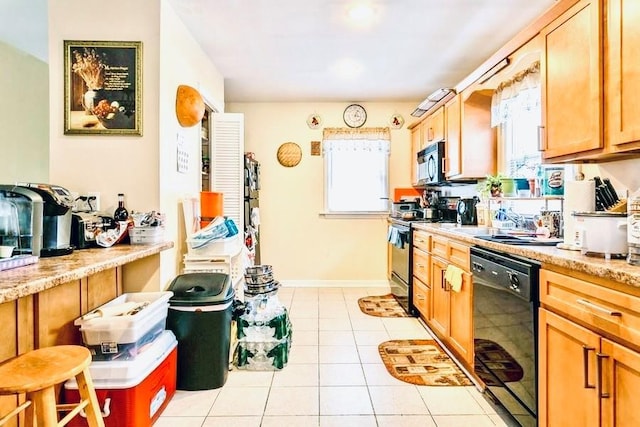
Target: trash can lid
197,289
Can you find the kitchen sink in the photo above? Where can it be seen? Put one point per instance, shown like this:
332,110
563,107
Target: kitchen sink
474,231
509,239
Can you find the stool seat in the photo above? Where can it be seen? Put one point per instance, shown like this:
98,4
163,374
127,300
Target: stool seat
37,372
42,368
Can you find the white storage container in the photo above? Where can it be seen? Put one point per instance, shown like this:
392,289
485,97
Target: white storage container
125,336
146,235
227,246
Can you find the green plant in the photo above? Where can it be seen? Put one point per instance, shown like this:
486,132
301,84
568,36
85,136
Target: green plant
491,185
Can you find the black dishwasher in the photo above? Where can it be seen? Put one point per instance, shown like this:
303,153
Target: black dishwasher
505,325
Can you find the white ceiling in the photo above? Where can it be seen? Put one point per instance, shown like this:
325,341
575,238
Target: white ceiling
285,50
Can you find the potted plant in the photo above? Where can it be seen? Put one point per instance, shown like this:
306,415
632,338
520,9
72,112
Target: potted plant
492,185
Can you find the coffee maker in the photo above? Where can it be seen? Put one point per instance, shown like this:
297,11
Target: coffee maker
447,206
21,213
56,218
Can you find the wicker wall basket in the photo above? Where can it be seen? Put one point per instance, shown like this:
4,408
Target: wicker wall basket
289,154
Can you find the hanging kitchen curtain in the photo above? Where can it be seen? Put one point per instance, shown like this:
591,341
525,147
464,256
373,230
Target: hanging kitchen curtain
356,170
521,93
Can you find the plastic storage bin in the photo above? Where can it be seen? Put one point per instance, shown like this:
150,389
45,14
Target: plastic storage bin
146,235
124,337
132,393
200,314
226,246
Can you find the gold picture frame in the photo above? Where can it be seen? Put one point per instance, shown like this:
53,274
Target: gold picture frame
103,87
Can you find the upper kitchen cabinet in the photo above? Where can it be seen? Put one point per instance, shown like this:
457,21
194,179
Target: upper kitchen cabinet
572,83
622,75
470,140
416,145
434,127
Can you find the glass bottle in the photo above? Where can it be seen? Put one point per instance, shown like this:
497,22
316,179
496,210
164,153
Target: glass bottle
121,213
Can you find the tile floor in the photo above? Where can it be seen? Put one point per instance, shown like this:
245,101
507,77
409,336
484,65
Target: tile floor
334,377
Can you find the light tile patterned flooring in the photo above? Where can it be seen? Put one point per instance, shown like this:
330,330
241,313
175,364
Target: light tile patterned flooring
334,377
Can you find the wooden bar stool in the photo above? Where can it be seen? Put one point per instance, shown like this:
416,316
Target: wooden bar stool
36,373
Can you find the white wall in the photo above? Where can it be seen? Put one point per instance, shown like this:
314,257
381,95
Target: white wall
24,117
142,167
302,246
624,174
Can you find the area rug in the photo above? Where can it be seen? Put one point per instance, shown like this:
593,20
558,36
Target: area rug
498,360
421,362
381,306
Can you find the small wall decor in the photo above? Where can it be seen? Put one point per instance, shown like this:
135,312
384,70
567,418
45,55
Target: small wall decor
314,121
396,121
189,106
289,154
102,87
315,148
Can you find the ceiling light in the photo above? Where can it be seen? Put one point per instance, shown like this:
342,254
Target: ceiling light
361,14
431,100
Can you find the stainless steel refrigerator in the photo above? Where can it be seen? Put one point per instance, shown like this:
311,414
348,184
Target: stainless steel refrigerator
251,206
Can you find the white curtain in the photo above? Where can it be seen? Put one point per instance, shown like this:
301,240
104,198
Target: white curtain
521,93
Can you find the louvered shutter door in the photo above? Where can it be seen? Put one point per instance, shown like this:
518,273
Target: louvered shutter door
227,164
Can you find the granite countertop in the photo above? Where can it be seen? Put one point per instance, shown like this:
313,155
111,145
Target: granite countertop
50,272
618,270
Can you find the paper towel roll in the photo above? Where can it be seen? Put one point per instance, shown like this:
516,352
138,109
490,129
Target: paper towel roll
579,196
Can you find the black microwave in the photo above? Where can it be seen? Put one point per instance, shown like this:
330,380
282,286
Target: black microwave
430,164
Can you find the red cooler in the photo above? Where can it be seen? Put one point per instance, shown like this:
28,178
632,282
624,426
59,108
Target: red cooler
133,392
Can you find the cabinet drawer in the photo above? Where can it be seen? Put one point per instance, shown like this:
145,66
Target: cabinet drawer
607,310
421,297
421,240
439,246
458,254
421,262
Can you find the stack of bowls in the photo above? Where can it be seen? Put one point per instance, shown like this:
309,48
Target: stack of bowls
258,281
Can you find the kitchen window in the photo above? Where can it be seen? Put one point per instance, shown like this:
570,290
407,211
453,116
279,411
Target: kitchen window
356,171
515,110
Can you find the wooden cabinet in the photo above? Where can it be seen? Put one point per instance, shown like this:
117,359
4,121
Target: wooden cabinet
470,141
621,75
588,360
451,311
434,127
416,144
421,263
571,74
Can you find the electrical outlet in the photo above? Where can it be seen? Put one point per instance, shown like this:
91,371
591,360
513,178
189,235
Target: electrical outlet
95,204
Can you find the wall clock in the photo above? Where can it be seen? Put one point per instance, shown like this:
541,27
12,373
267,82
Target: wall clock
354,115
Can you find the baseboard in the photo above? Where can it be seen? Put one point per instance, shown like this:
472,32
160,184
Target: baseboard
334,283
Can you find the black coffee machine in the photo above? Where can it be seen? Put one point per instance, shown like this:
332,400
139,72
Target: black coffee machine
56,218
466,211
447,208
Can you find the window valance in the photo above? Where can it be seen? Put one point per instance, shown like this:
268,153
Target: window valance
520,93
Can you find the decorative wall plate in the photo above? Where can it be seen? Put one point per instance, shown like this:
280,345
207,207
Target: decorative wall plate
314,121
396,121
289,154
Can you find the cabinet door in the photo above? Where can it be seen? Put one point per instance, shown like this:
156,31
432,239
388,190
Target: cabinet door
56,309
460,320
440,298
421,265
572,82
567,394
102,287
422,298
619,389
453,144
416,143
621,75
435,127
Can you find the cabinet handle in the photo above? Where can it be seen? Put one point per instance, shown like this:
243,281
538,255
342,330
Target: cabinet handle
444,164
598,308
541,142
602,394
421,297
442,281
419,265
585,361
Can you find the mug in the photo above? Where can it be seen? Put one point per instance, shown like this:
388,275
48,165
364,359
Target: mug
551,220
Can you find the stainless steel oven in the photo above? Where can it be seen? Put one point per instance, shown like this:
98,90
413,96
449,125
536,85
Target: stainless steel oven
399,237
505,319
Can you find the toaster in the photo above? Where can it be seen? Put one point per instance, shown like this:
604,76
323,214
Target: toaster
84,228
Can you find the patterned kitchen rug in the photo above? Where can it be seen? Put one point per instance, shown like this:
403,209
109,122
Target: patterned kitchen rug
421,362
381,306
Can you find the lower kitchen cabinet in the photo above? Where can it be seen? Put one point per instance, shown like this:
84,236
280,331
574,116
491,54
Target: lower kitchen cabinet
589,366
421,263
422,298
585,379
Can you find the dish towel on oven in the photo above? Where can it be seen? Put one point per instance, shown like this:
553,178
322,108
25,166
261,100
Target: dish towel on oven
453,275
394,237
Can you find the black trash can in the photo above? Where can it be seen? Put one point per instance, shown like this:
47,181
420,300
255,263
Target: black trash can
200,314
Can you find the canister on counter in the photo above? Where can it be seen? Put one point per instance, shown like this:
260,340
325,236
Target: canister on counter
633,228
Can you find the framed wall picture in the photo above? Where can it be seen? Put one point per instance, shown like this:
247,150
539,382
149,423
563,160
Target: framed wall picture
103,87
